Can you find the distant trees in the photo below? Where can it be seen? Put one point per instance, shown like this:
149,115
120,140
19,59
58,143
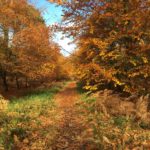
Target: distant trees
113,38
27,51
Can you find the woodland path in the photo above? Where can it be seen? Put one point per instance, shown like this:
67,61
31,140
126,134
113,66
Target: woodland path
69,128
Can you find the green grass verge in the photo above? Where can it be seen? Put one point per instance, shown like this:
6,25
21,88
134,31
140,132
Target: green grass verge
29,121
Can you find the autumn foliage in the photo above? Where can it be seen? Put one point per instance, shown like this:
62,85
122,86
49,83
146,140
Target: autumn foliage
111,63
27,51
113,43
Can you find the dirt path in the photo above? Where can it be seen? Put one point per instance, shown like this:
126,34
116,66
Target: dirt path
69,126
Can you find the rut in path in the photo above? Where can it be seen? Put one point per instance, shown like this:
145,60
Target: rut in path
70,127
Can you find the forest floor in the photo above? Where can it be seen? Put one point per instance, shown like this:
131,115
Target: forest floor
51,115
69,128
61,118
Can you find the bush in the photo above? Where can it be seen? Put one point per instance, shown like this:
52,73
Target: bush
3,103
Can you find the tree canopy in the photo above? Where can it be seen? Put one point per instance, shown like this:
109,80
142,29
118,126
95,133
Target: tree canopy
113,42
27,49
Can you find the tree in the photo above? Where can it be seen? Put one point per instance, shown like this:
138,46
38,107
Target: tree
27,49
113,39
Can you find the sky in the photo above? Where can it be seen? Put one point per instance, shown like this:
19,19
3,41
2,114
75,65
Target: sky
52,14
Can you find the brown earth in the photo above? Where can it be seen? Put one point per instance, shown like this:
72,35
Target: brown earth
69,128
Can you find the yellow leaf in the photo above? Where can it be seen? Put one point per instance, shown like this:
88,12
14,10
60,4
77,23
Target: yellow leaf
145,60
26,141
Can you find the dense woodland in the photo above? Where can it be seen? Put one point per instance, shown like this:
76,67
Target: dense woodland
112,44
28,54
113,40
95,99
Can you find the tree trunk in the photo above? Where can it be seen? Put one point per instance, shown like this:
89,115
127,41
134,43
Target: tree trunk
26,83
17,83
4,79
6,39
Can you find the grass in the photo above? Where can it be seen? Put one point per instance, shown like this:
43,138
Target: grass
111,132
30,121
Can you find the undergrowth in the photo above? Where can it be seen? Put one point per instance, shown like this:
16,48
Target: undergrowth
30,121
111,132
